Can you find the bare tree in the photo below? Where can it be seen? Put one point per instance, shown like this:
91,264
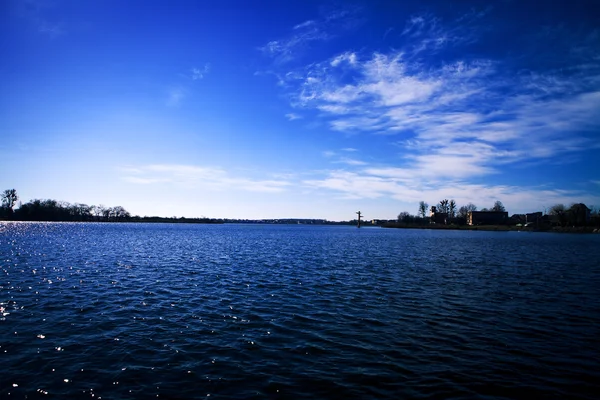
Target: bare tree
452,209
464,210
443,206
423,209
81,212
9,198
119,213
557,209
104,212
498,206
96,212
405,217
560,213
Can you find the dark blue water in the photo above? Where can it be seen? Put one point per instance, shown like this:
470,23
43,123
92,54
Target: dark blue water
256,311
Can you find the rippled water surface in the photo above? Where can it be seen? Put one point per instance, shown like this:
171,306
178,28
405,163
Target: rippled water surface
258,311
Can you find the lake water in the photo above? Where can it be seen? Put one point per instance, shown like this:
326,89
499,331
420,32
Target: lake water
261,311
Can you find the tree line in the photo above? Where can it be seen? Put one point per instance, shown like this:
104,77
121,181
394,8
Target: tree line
457,215
577,214
53,210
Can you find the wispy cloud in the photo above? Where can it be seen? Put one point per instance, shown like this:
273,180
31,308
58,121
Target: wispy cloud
37,14
427,33
52,30
351,161
193,176
175,96
293,116
305,24
402,186
199,73
387,32
177,93
304,34
349,57
336,158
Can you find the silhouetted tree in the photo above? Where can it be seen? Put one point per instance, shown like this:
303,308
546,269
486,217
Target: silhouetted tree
452,208
595,215
498,206
403,216
79,212
464,210
96,212
118,213
423,209
52,210
9,199
104,212
559,212
557,209
578,214
41,210
444,206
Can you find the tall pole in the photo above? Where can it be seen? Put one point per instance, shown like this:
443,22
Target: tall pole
359,215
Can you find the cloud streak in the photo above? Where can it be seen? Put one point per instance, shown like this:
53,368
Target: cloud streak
398,184
36,13
193,176
175,96
307,33
293,116
199,73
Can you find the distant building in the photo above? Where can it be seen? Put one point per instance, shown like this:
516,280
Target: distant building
438,217
487,217
534,217
516,219
528,219
579,214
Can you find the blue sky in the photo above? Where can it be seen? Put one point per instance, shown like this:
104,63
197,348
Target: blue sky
300,109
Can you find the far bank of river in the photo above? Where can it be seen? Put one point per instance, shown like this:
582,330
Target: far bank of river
501,228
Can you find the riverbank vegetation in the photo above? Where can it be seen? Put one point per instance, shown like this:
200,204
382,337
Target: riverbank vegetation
447,215
53,210
61,211
444,215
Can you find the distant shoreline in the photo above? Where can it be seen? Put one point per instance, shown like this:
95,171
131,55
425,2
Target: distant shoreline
391,225
211,221
495,228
